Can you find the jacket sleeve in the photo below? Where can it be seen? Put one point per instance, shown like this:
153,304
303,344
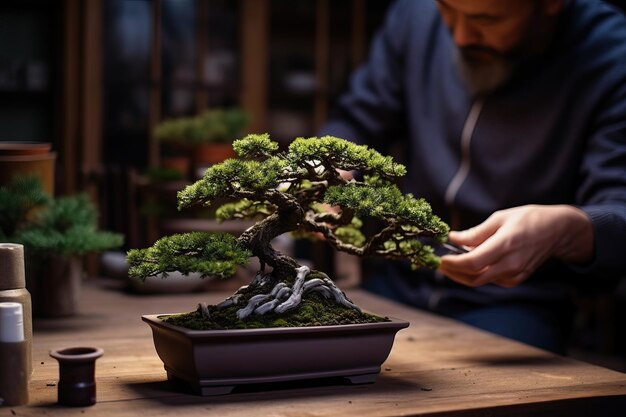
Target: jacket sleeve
373,107
602,194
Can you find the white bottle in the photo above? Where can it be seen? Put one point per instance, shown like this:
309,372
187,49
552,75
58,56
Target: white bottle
14,355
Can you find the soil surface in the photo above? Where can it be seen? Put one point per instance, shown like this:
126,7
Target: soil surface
313,311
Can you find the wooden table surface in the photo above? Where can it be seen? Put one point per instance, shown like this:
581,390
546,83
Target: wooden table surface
437,367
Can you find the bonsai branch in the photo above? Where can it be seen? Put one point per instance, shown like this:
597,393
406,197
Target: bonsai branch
331,239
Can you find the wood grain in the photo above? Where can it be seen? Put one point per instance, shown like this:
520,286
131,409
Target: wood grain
437,367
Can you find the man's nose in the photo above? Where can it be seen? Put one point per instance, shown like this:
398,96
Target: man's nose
465,34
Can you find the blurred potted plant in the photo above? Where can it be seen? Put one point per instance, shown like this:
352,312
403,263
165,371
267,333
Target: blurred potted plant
173,135
215,131
207,137
56,233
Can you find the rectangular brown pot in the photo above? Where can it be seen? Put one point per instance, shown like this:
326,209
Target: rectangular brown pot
214,362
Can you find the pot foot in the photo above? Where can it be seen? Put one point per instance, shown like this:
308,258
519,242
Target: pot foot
216,390
362,379
205,391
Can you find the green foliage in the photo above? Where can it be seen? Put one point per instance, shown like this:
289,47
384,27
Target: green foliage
211,254
161,174
17,199
212,126
337,153
68,226
255,146
65,225
182,130
351,233
379,199
387,201
243,209
412,249
230,176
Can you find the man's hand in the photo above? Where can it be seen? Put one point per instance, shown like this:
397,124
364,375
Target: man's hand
511,244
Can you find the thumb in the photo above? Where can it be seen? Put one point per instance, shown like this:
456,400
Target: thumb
475,235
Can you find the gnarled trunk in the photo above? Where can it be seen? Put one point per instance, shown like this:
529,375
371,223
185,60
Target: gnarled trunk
258,238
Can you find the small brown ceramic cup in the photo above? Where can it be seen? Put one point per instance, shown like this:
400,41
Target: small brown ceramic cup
77,384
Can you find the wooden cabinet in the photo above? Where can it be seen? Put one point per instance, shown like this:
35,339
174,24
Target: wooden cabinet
305,50
28,67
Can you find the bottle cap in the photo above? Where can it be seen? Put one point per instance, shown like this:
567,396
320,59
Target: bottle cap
11,322
12,266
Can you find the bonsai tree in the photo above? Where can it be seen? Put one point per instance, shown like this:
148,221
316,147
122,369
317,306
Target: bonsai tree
46,225
287,192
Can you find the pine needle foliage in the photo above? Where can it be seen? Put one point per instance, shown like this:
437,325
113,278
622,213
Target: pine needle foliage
63,226
330,152
211,254
383,201
285,189
255,146
213,126
17,199
243,209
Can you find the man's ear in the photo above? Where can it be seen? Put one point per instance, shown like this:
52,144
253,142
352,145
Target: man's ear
553,7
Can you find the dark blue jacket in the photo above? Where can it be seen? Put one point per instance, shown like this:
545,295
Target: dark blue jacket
555,134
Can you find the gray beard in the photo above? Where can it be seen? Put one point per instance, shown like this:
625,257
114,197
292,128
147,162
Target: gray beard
483,78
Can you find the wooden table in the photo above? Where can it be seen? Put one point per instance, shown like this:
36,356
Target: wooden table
437,367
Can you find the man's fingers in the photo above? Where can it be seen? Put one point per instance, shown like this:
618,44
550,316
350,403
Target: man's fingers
512,268
476,235
473,262
507,273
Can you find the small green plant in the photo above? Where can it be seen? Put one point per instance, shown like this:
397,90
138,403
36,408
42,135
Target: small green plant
286,190
45,225
163,174
212,126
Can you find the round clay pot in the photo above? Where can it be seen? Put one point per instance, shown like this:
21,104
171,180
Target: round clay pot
24,148
212,153
77,383
180,164
27,158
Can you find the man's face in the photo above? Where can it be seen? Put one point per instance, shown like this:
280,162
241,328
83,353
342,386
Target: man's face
493,35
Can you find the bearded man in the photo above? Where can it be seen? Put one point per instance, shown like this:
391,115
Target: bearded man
513,119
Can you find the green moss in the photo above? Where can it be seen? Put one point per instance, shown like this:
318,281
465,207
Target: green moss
313,311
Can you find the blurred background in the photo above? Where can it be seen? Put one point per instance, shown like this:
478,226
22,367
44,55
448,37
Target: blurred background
94,78
126,91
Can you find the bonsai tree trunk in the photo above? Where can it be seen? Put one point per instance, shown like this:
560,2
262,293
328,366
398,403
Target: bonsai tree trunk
288,281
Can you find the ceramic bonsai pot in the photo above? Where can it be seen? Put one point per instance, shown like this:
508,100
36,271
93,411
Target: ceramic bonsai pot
214,362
